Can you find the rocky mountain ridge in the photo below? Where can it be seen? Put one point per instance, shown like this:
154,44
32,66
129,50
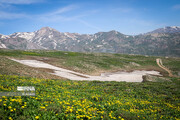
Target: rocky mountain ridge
167,29
163,41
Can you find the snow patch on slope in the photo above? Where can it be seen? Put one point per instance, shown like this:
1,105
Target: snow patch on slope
2,46
135,76
27,36
5,36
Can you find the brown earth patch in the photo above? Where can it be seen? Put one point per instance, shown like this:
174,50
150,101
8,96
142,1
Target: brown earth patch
79,75
10,67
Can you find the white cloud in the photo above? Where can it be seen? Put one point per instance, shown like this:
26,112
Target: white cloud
176,7
63,10
5,15
57,14
54,16
5,6
20,1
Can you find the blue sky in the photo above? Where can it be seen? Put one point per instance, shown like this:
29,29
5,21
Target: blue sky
88,16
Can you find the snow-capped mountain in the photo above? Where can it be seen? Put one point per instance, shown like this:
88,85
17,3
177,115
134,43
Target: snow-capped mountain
26,35
168,29
166,44
18,41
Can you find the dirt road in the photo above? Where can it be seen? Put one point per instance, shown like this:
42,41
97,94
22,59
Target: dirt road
160,64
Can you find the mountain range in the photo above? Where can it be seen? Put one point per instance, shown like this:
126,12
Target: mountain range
160,42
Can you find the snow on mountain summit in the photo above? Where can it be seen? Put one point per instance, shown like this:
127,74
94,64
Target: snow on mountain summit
162,41
167,29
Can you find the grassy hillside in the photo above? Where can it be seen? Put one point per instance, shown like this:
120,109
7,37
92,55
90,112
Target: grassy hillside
90,100
57,98
89,63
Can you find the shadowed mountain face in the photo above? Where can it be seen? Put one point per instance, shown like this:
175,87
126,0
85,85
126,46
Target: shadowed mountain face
162,42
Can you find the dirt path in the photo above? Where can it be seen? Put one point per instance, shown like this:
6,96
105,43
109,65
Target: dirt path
160,64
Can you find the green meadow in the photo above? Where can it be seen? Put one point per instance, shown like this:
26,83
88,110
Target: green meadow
61,99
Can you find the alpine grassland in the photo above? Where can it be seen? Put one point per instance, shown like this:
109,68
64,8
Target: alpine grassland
57,98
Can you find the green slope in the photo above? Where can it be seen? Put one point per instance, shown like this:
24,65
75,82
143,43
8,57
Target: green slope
57,98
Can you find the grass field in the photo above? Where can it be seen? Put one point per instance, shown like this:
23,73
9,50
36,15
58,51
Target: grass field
57,98
89,63
90,100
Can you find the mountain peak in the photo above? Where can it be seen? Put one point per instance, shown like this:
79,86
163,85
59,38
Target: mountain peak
173,26
159,42
167,29
113,31
47,29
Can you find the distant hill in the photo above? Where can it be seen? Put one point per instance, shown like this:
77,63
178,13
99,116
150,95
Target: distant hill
161,42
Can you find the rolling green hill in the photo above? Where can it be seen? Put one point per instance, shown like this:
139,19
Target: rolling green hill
58,98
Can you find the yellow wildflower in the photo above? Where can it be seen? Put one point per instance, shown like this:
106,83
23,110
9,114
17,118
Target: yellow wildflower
42,107
37,117
9,107
10,118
